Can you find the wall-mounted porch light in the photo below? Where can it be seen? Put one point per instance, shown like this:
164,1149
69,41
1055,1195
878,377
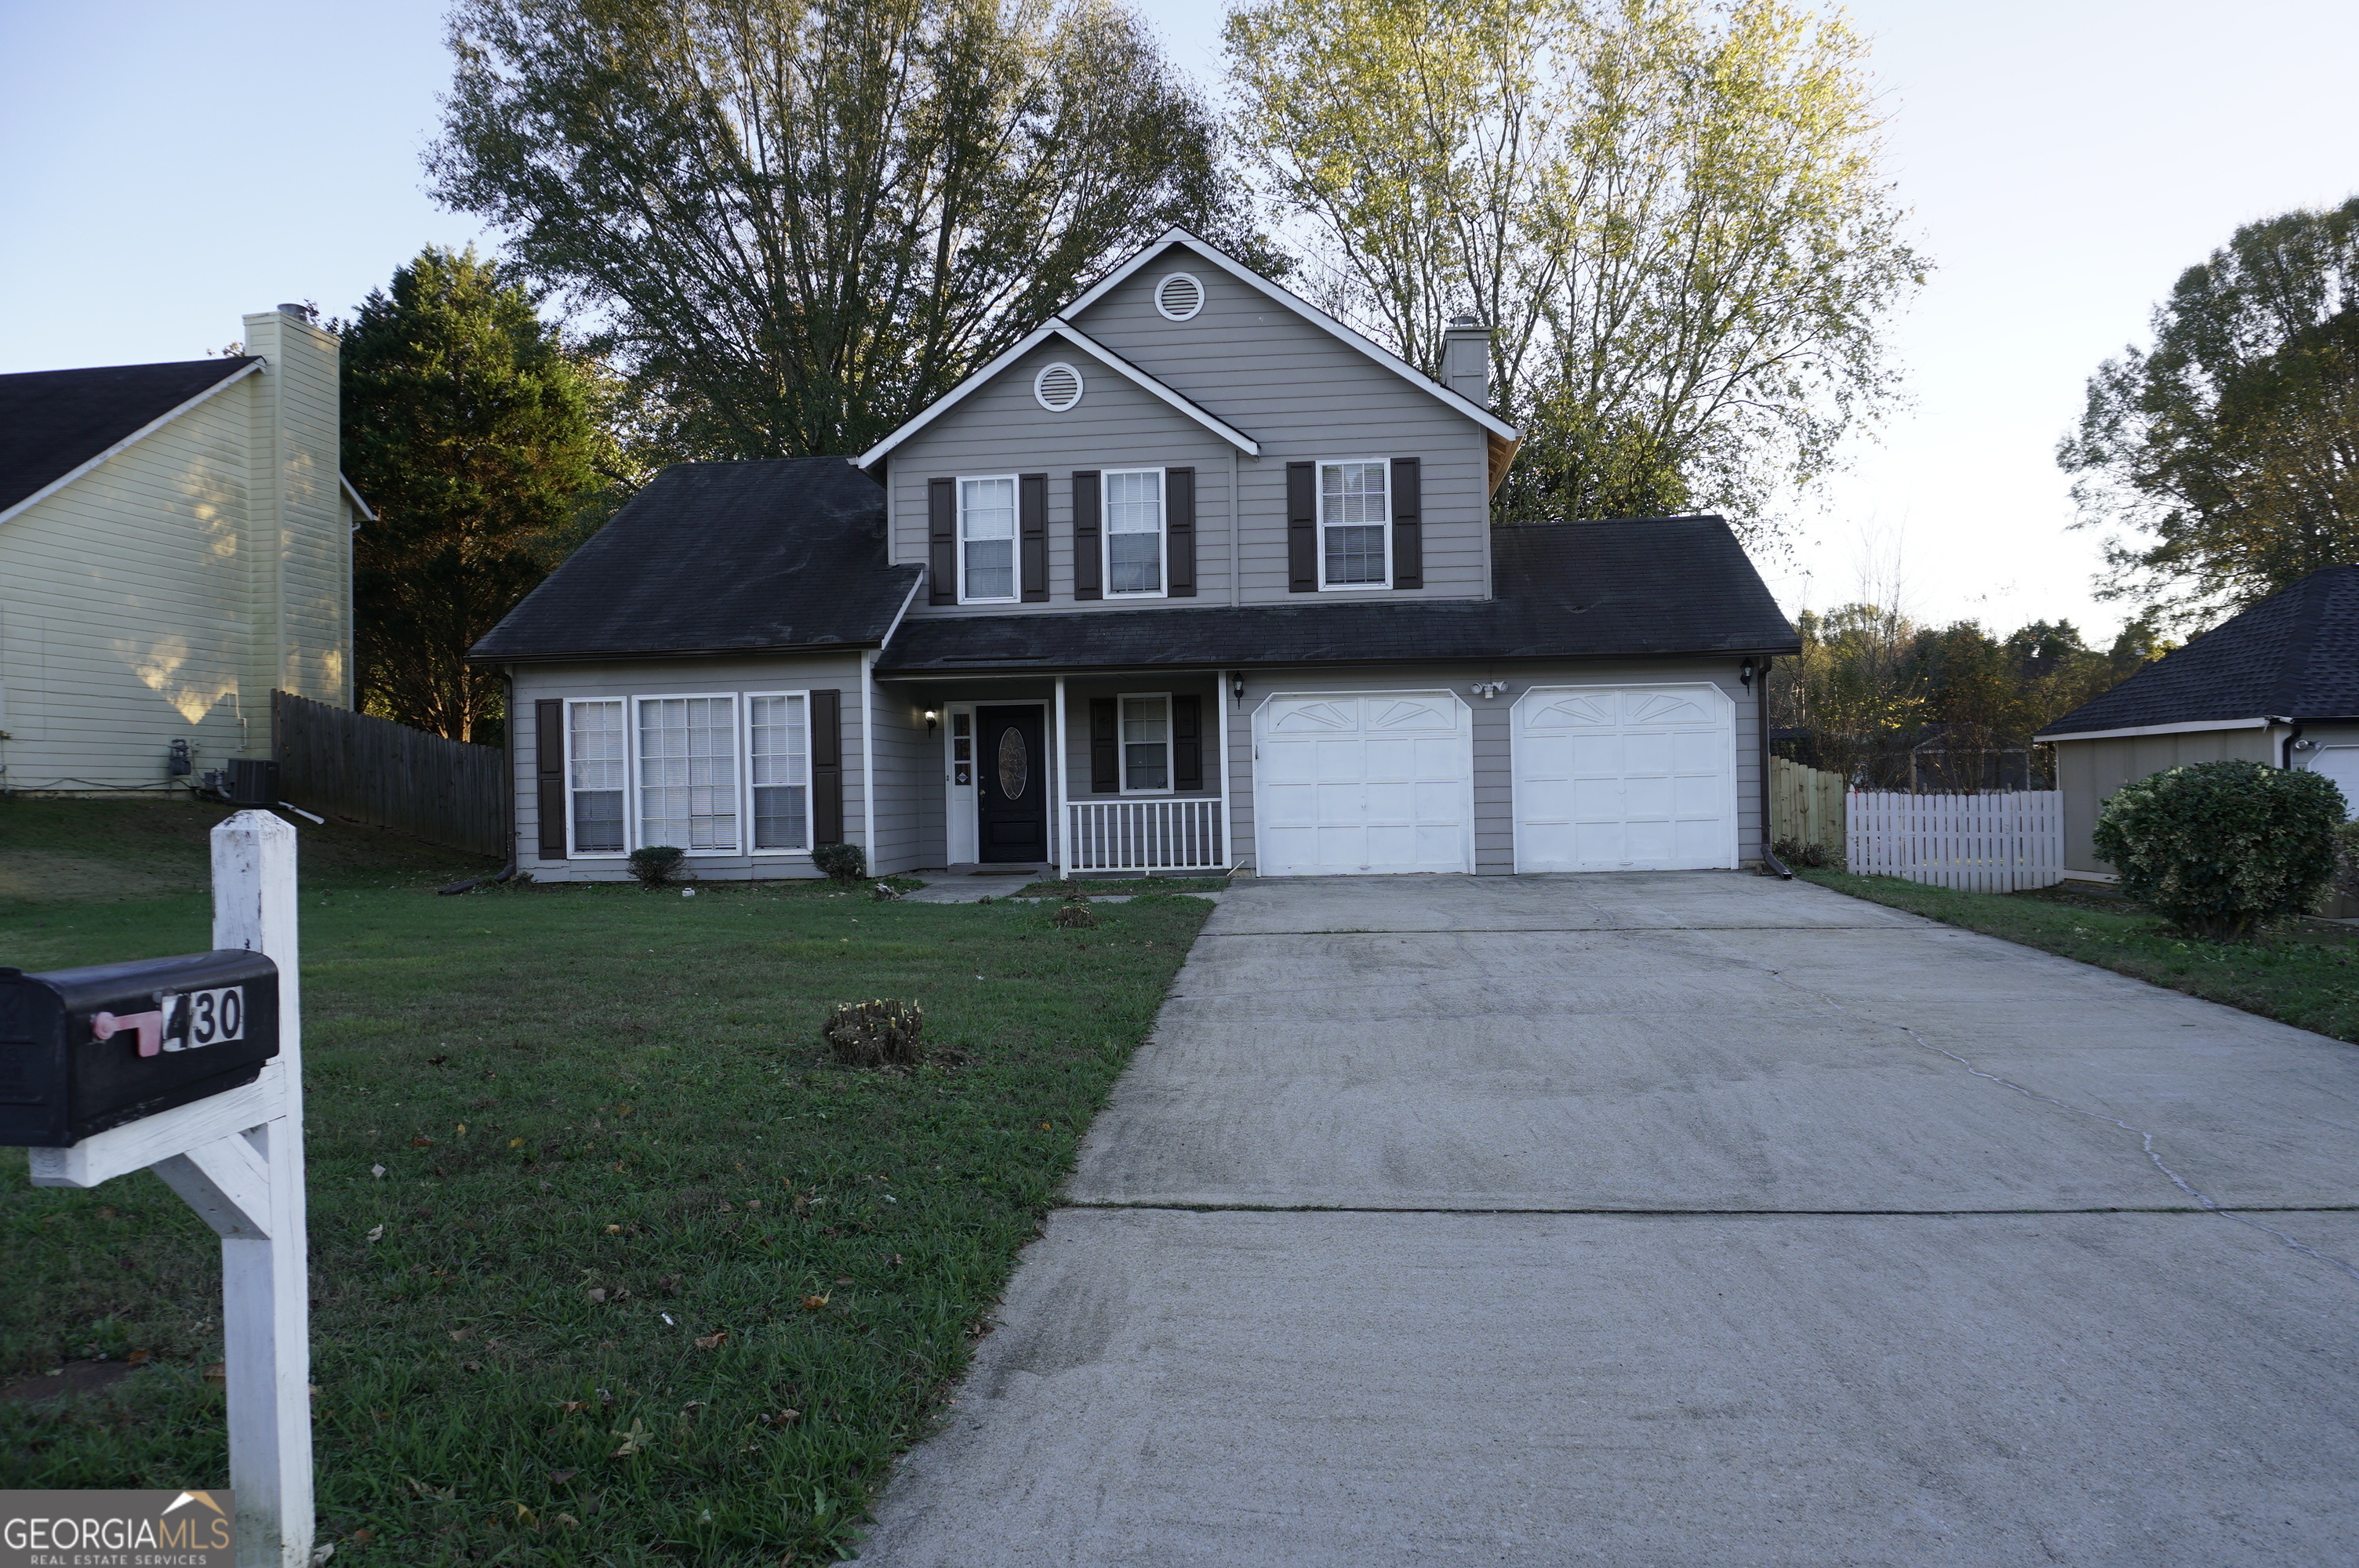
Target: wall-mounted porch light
933,718
1237,687
1487,689
1745,674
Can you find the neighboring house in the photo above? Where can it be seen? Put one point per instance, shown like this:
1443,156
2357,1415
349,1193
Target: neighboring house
1193,577
2278,684
174,542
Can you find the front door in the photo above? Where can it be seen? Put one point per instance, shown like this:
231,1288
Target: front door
1011,797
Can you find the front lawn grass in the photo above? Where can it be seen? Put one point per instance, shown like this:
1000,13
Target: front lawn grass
645,1278
2303,972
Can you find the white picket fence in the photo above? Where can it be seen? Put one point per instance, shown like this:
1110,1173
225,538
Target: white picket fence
1977,843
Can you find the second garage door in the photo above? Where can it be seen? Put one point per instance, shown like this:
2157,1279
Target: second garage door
1364,783
1624,778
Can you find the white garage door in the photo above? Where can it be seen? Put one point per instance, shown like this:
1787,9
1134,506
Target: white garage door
1364,781
1633,778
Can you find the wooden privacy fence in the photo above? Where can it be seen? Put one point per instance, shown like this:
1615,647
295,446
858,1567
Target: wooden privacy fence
332,760
1806,806
1977,843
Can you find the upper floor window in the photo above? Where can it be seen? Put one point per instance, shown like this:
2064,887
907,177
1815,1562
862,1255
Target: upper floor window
1145,744
1134,531
1355,524
987,540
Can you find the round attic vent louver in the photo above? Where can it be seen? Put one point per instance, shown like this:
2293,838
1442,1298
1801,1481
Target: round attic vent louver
1058,386
1179,296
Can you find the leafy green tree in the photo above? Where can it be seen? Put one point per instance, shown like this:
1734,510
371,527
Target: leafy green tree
2230,448
1671,217
477,439
806,219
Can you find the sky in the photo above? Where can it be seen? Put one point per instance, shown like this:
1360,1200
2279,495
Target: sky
170,167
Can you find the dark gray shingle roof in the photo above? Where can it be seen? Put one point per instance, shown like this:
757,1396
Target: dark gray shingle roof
720,557
1637,587
53,421
2295,654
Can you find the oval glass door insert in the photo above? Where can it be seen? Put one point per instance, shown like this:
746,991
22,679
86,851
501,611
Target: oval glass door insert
1015,765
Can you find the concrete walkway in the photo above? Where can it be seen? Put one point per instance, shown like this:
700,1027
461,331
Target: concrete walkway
1671,1219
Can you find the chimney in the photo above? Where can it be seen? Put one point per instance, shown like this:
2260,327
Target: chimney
1466,360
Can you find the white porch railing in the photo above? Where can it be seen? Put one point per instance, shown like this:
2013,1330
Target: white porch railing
1977,843
1145,836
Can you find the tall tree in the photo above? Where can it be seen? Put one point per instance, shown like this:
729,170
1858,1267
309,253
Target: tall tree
2232,443
806,219
1671,217
476,439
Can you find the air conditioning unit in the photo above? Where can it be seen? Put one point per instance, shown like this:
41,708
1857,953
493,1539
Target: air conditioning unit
253,781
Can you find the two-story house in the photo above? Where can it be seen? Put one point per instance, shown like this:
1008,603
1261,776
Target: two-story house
1193,577
176,542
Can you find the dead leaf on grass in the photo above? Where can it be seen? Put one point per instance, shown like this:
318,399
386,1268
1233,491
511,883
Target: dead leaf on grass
712,1341
597,1295
376,1233
613,1231
138,1357
634,1441
571,1407
813,1304
421,1142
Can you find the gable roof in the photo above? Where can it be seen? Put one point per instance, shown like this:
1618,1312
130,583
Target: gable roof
1634,587
1057,327
721,558
1204,251
2294,655
58,425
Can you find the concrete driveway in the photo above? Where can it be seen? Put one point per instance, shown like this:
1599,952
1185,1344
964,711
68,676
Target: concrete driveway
1692,1218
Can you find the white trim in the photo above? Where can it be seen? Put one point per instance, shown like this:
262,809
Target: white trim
629,768
1056,801
1052,790
2070,875
1309,312
1466,795
1015,534
868,757
1730,712
142,433
1319,468
353,495
1122,745
745,772
2160,729
1080,387
637,818
1166,311
911,597
1228,824
952,813
1162,538
1059,327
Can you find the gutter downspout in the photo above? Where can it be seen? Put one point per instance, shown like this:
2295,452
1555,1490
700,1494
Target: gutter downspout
1770,863
508,724
2285,747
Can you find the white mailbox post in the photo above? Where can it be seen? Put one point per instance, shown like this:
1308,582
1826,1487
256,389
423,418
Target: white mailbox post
237,1158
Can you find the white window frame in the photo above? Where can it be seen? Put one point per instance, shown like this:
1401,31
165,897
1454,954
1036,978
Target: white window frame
630,777
737,772
1015,538
1319,510
1162,534
745,773
1121,744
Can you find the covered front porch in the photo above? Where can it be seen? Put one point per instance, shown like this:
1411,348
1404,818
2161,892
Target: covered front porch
1104,774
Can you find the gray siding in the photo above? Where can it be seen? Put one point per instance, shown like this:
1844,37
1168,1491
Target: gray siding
908,786
2089,771
679,677
1293,388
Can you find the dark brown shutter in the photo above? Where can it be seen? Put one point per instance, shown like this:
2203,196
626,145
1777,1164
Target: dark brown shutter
549,759
1408,527
1179,531
1032,491
941,533
1106,756
1187,742
827,767
1302,527
1089,578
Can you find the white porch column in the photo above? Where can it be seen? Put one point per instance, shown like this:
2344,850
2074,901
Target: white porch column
1057,773
1220,708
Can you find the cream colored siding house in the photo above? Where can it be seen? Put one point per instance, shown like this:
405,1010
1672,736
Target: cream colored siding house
1192,577
175,543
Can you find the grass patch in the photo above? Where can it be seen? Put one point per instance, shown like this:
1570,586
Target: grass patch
2303,972
627,1204
1117,886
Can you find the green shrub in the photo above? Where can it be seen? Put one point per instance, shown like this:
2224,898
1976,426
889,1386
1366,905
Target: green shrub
844,862
656,864
2219,847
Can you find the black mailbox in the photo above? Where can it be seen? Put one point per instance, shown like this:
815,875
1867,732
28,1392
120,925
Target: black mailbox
84,1050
